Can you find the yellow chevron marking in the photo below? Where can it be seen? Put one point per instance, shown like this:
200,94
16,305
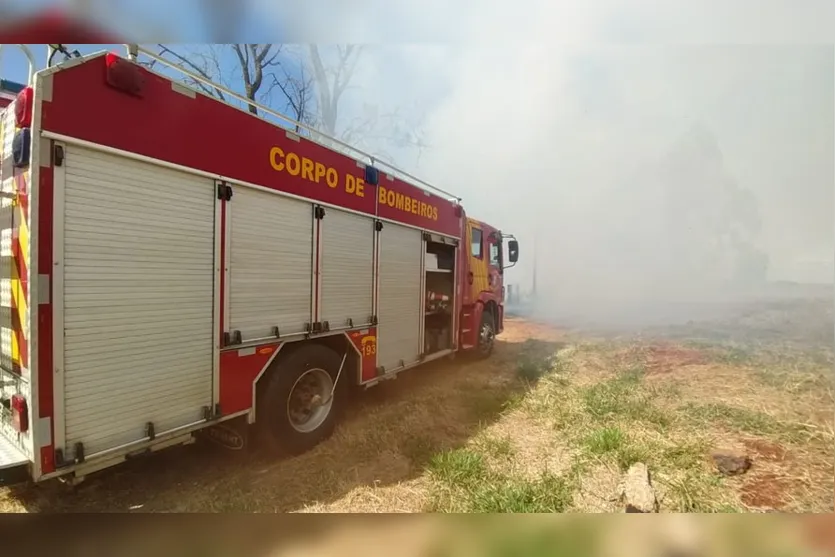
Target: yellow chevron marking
18,299
18,296
15,349
23,234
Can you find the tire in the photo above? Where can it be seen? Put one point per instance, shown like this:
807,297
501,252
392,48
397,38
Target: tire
486,334
286,421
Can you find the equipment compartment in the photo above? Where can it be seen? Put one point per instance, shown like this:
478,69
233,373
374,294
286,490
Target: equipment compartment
439,297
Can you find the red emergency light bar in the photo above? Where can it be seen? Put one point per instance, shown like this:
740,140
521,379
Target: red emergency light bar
23,108
124,75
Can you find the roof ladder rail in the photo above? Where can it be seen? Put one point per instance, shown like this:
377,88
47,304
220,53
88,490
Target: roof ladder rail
30,57
135,49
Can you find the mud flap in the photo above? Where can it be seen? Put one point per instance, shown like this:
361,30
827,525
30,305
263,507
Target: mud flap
232,435
14,465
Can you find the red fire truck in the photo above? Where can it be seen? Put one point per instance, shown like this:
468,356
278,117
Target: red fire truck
172,264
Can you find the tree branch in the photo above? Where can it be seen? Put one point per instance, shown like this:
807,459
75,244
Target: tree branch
323,90
213,91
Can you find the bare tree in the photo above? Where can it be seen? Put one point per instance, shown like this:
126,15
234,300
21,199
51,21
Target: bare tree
311,90
204,63
254,63
332,81
254,58
398,129
296,86
370,129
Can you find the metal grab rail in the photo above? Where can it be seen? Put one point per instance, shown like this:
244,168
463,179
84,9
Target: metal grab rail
30,57
134,50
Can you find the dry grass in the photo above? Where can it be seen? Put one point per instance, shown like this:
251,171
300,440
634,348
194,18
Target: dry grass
548,424
375,462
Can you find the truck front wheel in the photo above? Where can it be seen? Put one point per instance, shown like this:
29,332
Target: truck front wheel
486,334
299,406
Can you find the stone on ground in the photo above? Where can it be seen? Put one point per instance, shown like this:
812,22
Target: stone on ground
637,491
730,462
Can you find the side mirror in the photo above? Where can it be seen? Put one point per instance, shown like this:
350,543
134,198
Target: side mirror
513,251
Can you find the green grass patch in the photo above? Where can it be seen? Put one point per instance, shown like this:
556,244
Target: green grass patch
458,468
604,440
546,494
630,454
463,483
623,397
612,442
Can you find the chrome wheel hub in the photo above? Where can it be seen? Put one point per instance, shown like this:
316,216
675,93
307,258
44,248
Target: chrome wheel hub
310,402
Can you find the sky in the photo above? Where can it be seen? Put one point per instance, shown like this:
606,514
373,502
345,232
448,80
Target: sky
553,120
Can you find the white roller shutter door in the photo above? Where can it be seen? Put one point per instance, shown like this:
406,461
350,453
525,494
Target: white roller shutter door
271,258
399,296
347,269
138,293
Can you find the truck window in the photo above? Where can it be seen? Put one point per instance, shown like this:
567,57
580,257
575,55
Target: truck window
476,248
495,255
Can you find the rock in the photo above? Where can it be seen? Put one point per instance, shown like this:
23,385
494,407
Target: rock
731,463
637,492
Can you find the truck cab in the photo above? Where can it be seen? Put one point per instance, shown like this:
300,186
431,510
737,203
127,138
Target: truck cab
483,290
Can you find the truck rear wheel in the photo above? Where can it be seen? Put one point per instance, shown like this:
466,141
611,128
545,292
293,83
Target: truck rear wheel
296,411
486,334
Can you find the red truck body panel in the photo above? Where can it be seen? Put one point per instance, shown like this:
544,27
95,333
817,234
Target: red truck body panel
204,133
